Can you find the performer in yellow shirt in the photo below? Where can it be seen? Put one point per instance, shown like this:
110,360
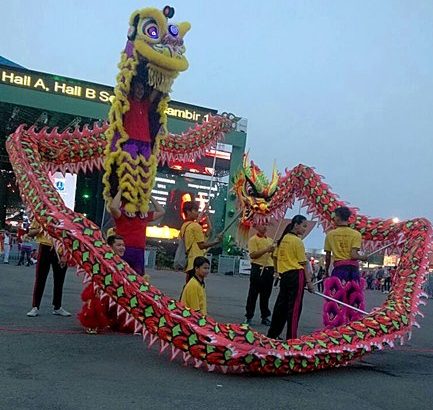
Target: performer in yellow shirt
47,257
260,248
290,264
194,293
193,235
343,244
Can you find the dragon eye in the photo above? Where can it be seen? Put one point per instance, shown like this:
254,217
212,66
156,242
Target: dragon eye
173,30
150,29
249,188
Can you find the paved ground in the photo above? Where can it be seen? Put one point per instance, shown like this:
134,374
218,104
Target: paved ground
49,363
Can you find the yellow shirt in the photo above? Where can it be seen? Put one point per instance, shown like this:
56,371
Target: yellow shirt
194,296
290,253
341,241
257,243
41,238
192,234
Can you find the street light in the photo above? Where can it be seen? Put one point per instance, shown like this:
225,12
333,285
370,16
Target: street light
395,220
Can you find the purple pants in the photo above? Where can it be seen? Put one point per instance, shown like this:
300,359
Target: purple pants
134,147
346,273
135,259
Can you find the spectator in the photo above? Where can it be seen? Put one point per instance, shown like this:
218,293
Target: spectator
26,250
320,278
7,241
387,281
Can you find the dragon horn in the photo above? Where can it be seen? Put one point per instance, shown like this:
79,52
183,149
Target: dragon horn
274,181
245,162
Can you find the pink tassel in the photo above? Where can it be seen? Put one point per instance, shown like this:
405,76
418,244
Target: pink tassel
152,340
164,346
138,327
174,352
120,311
197,363
186,357
129,319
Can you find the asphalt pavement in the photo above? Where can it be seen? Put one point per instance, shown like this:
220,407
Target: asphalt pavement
48,362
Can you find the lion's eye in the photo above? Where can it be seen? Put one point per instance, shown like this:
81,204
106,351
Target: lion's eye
173,30
150,29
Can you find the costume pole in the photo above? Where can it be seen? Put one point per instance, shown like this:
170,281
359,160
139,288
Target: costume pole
213,173
339,302
103,218
210,186
380,249
231,223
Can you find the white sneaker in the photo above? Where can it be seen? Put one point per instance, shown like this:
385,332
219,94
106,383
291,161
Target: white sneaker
33,313
61,312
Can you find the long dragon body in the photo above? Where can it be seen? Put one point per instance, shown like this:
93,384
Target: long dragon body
201,341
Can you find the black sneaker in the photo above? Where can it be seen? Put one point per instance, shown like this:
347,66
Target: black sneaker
266,322
248,322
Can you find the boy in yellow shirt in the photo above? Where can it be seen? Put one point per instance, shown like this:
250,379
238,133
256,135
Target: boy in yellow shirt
194,293
343,244
193,235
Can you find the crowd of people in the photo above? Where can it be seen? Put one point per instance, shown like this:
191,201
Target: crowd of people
379,278
26,248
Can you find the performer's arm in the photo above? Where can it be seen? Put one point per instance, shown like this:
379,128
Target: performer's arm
354,254
308,277
159,209
210,244
114,206
258,253
197,232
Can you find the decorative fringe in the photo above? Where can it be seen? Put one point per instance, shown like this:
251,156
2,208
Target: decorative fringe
160,79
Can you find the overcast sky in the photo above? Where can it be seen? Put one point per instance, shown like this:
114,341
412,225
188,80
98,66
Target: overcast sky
344,86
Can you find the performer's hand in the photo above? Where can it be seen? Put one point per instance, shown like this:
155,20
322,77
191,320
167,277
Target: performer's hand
310,287
271,248
63,261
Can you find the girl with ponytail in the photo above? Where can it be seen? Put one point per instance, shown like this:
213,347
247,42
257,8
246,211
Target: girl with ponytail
290,264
